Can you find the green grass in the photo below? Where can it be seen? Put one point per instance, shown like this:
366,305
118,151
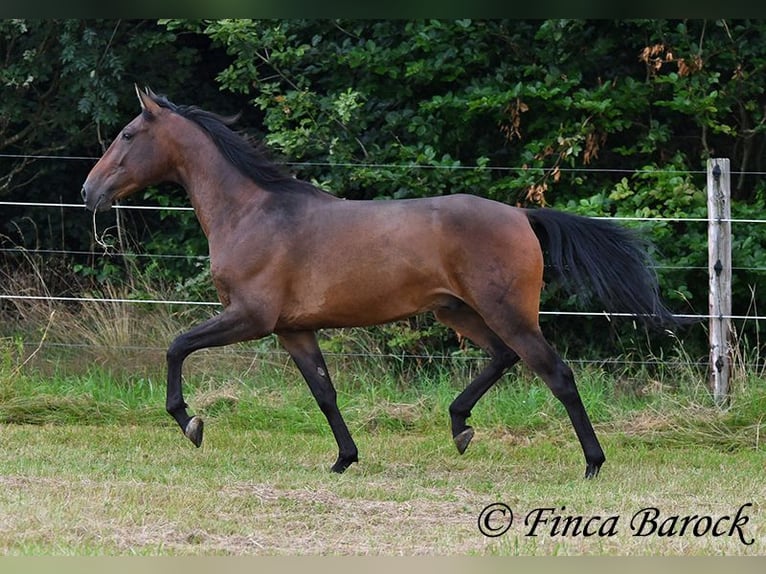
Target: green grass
91,464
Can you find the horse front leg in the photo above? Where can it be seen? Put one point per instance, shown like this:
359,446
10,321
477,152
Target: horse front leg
224,329
304,350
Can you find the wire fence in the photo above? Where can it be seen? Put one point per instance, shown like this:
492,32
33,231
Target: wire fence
149,301
65,252
253,352
454,167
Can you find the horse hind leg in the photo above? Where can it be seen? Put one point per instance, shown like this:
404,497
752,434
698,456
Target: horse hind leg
303,348
461,407
468,323
535,351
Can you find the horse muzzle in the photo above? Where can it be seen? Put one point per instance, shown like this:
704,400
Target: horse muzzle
96,200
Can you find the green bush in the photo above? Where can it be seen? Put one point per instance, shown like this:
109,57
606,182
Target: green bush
599,117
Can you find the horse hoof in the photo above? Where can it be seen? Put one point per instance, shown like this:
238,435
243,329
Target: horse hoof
463,440
194,431
343,463
591,470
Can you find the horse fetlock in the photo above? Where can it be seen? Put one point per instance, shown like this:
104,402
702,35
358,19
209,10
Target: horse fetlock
193,431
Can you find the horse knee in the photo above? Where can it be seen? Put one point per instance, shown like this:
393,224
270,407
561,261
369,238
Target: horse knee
177,350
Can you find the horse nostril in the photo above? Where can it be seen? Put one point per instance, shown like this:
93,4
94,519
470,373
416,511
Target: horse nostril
83,193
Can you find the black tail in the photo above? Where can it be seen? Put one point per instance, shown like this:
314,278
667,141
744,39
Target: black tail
600,259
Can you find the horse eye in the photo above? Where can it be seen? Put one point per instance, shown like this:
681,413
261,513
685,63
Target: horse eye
127,136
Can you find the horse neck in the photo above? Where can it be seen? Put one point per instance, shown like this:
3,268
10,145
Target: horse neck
216,189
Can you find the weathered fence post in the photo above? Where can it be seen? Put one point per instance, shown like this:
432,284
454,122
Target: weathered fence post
719,268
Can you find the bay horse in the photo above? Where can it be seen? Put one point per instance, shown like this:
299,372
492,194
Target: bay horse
289,259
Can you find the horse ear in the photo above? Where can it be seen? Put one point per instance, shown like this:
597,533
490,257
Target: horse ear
140,96
148,105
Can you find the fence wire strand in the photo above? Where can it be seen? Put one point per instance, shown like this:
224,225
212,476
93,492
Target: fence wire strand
111,300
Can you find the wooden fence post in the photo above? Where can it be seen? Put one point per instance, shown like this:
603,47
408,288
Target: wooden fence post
719,268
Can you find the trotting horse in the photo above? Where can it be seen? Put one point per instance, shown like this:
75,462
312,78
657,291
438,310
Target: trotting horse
289,259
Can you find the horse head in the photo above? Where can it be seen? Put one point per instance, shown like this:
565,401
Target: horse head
138,157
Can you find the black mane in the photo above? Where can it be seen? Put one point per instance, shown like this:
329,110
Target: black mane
251,159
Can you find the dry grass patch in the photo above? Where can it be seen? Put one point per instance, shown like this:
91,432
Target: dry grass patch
139,490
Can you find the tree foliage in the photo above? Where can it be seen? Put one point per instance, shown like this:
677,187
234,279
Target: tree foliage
66,87
63,82
598,117
529,96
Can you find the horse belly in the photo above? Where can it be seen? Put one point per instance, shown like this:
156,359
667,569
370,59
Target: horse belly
356,292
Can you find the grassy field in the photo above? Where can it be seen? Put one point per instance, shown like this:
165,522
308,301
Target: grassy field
90,464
